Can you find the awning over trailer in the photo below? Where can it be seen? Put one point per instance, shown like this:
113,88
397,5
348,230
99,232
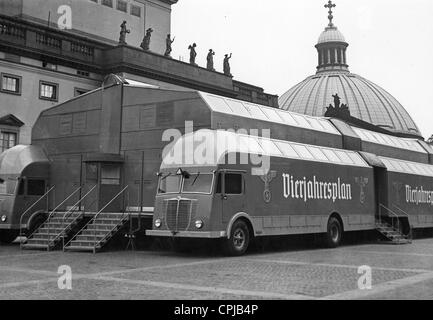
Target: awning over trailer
13,161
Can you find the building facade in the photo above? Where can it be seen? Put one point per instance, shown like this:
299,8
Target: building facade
42,65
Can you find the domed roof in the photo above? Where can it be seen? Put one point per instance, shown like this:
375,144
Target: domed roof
331,34
366,100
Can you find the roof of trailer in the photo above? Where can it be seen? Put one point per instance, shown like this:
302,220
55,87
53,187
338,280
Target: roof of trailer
388,140
13,161
402,166
260,112
209,148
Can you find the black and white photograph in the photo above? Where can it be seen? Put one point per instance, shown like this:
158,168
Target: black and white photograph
213,156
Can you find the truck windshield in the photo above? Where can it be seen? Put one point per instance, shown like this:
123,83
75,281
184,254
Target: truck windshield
7,186
169,184
198,183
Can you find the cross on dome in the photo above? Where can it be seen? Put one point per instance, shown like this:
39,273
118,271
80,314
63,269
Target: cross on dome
330,5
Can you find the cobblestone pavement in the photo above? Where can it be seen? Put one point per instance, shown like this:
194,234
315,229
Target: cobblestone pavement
296,272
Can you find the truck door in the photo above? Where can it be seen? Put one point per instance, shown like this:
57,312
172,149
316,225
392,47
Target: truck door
381,187
232,195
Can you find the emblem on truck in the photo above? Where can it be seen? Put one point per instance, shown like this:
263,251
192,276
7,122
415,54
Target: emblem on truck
362,182
267,179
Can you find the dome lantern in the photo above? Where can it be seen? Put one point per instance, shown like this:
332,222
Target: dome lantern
331,47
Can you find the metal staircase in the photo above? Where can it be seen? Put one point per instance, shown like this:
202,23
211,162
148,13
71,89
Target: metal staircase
390,226
51,232
99,230
58,226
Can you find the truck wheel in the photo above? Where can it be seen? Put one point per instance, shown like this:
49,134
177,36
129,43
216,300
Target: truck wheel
334,233
35,224
8,236
239,239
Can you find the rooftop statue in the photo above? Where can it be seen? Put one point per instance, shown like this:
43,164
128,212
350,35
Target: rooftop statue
168,43
192,54
227,65
336,101
145,44
338,110
210,55
123,32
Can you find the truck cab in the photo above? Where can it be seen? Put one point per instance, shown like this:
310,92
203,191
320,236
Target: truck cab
24,178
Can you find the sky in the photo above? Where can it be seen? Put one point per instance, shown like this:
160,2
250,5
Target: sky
272,41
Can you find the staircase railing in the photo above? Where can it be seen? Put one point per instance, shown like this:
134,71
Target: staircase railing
103,208
54,211
96,216
125,213
28,210
393,216
410,235
69,213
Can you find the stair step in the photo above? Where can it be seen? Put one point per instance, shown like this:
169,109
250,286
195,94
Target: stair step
79,248
98,226
35,246
38,242
87,232
44,237
85,242
82,237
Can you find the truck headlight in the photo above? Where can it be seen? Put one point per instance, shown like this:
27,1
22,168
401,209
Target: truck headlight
158,223
3,218
199,224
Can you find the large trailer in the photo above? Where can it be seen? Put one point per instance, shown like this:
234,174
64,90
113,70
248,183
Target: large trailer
304,189
103,148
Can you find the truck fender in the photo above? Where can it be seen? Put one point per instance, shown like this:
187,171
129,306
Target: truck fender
236,217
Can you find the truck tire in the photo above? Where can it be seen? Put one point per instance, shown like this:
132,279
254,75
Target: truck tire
334,233
35,224
8,236
239,239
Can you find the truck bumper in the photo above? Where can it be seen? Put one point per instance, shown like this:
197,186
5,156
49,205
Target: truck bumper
187,234
8,226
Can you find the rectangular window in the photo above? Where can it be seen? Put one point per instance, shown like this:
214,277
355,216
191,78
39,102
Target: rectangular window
8,186
8,140
110,175
10,83
108,3
198,183
91,172
169,183
122,6
233,183
135,11
48,91
35,187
